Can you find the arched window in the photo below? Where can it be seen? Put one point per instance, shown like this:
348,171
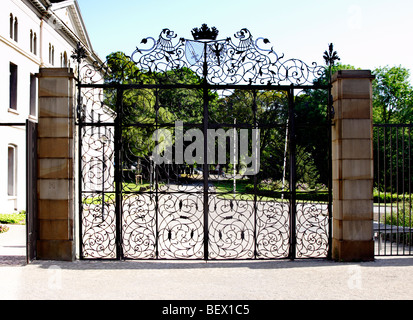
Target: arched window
65,60
11,170
35,44
11,25
52,55
13,86
16,29
31,41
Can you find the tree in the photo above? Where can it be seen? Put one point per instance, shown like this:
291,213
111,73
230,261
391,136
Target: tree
312,131
392,104
392,95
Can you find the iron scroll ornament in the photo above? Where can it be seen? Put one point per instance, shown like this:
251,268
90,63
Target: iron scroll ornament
169,223
219,62
246,61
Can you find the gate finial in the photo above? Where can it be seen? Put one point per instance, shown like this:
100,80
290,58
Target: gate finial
79,53
330,56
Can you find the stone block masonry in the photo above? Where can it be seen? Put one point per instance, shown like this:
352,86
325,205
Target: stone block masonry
55,165
352,156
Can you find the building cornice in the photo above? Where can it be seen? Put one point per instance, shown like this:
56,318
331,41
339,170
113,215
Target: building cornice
42,6
45,10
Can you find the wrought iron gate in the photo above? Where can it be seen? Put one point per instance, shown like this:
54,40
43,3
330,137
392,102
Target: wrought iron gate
204,149
393,189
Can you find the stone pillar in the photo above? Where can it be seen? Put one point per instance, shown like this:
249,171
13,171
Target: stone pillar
352,155
55,165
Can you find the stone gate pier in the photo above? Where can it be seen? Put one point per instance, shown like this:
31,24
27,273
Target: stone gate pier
352,157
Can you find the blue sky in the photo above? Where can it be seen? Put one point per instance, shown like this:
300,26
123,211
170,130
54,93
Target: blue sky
366,33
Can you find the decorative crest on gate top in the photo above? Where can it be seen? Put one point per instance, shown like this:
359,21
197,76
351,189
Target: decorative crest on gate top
205,33
244,60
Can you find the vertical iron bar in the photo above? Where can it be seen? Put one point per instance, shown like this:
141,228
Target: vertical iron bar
378,185
391,190
156,181
330,170
31,191
397,190
80,157
255,176
206,168
403,197
385,187
103,168
29,184
293,208
118,171
410,193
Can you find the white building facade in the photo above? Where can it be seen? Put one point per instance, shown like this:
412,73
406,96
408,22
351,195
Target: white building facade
34,34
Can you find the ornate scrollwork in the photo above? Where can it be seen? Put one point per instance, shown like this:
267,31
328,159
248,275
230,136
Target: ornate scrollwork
228,62
98,226
312,230
135,209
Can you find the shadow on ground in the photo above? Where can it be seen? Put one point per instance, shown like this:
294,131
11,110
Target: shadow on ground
165,265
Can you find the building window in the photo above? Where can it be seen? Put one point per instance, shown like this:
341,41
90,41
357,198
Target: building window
51,54
33,42
64,60
16,30
11,170
13,86
33,94
11,26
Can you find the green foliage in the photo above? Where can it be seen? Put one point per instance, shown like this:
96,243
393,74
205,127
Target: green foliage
391,158
402,218
392,104
392,95
313,132
389,197
13,218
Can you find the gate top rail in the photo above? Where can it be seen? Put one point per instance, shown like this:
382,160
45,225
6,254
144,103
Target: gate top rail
393,125
206,60
196,86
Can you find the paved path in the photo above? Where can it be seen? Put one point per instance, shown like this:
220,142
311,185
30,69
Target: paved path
385,278
13,242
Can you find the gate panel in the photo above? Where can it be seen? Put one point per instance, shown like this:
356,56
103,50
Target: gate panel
313,166
196,151
97,192
393,209
231,229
